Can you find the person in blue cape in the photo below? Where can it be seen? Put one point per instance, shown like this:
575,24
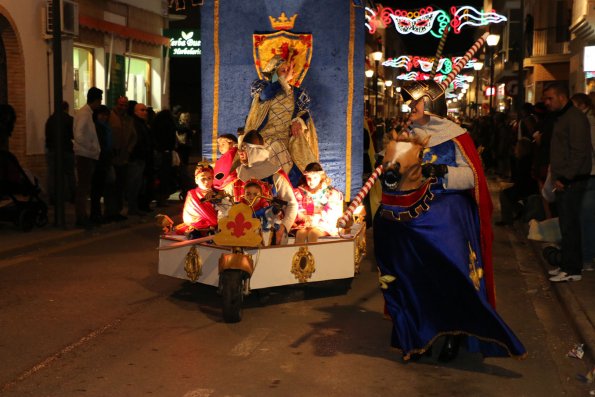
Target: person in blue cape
433,243
280,113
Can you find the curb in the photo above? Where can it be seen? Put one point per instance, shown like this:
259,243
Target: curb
21,243
52,236
577,315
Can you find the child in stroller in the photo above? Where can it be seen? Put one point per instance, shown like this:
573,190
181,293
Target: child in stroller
19,196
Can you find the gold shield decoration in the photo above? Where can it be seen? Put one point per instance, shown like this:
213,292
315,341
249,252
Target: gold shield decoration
303,264
294,47
238,228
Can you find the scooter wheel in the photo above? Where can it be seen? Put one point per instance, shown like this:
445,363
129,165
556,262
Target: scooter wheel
232,285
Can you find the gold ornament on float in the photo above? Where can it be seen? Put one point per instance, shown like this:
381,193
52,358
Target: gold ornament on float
193,264
303,264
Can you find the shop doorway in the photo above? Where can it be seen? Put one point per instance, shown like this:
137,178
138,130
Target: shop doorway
12,83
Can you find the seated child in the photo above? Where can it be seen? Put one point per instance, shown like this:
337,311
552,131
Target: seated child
256,164
264,206
224,175
255,197
200,211
319,206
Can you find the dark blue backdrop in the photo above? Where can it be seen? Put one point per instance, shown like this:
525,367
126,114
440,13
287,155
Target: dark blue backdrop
327,80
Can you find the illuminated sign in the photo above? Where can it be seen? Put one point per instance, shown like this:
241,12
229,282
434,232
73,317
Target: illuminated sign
183,42
427,20
490,91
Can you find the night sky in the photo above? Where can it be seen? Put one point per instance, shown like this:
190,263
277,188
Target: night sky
456,44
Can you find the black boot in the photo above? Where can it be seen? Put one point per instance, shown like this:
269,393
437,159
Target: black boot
450,349
417,356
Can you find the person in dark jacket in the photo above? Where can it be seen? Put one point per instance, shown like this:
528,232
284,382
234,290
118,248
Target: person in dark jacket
164,131
67,153
523,185
139,157
103,174
570,168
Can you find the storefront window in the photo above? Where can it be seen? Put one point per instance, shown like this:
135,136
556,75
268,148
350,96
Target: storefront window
83,75
138,82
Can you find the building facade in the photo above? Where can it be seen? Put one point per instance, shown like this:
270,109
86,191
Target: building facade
116,46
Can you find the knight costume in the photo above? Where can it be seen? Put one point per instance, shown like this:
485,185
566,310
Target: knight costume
433,244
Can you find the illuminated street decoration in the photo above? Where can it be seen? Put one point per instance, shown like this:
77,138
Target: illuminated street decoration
419,22
425,63
467,15
370,16
458,82
427,20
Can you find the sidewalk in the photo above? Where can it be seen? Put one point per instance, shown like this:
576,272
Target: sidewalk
15,242
577,298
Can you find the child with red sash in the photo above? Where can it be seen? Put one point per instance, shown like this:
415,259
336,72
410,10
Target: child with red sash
199,213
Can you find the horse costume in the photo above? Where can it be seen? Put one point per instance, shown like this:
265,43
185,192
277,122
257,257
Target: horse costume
432,239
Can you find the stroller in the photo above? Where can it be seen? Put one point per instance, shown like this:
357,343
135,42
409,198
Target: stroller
19,196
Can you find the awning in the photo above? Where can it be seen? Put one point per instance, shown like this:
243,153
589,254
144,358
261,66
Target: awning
122,31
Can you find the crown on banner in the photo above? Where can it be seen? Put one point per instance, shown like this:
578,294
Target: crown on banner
283,23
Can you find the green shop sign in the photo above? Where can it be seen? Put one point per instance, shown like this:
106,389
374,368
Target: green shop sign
183,42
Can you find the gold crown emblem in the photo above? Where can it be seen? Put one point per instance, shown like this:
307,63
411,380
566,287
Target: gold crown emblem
282,23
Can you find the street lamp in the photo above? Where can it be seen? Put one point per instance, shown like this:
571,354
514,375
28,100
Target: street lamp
376,56
477,66
388,96
398,90
492,41
369,73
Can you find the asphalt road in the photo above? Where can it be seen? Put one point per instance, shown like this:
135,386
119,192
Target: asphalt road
91,317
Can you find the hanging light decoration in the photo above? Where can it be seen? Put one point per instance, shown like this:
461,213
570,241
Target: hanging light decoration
428,20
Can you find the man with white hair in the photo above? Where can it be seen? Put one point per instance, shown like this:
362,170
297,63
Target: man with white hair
255,164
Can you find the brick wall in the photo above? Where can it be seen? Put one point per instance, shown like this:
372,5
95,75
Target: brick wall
16,98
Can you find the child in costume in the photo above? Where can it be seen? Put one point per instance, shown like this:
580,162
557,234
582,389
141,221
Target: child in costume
256,164
320,205
257,196
203,205
225,173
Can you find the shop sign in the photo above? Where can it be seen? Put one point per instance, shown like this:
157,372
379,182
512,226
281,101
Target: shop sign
183,42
